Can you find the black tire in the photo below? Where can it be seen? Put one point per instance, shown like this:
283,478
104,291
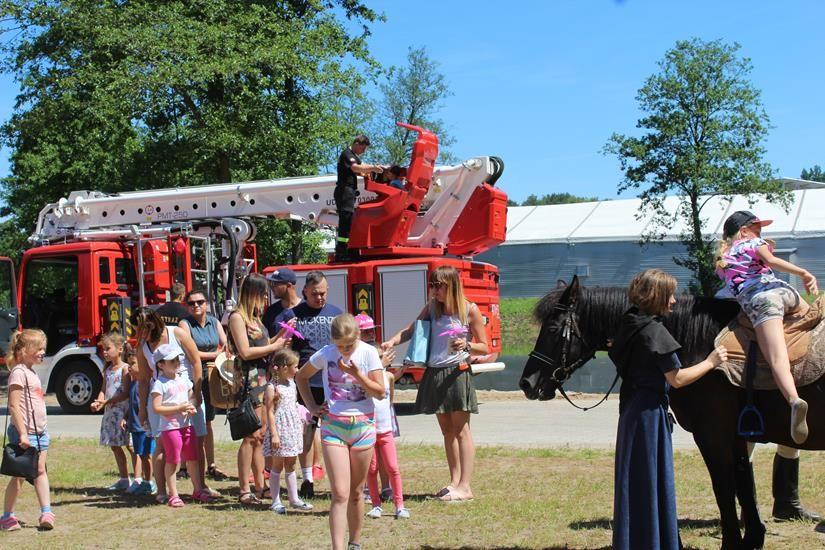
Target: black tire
76,386
406,381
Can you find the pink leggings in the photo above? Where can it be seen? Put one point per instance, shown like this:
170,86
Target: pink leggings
385,452
179,443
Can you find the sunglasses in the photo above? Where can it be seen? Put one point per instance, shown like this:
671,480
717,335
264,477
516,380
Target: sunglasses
437,285
194,303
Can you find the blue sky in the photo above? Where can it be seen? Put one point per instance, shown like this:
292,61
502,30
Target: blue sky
544,85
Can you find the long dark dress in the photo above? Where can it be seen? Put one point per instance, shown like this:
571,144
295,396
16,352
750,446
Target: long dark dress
644,502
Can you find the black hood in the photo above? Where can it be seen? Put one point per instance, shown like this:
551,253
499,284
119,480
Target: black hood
640,332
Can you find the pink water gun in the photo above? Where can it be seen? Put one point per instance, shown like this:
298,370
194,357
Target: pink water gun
291,330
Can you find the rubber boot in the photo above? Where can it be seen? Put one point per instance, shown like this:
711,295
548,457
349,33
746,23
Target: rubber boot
341,252
786,505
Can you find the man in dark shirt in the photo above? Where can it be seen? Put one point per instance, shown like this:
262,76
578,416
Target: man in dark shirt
314,321
349,168
282,281
173,311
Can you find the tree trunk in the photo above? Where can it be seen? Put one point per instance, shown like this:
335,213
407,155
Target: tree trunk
296,227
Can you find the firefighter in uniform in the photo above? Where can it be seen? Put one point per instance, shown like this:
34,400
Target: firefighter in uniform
349,168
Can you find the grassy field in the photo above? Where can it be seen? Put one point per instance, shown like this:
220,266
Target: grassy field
518,329
539,498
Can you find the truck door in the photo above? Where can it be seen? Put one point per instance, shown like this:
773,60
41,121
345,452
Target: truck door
403,293
9,318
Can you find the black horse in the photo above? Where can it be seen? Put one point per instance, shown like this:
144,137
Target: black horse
577,322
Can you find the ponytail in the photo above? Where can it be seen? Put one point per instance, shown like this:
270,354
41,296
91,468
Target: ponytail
21,340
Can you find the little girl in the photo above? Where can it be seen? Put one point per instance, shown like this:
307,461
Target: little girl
746,263
27,409
386,429
283,439
172,401
113,399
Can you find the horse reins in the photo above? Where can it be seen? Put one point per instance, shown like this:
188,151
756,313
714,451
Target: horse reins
569,329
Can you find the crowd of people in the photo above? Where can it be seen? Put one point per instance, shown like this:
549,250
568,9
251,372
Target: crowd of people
320,384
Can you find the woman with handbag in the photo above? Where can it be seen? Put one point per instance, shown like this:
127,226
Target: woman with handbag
152,332
25,455
252,346
447,389
210,338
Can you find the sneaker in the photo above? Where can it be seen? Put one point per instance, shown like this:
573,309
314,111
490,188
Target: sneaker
402,513
9,524
278,508
317,473
120,485
134,488
353,546
301,506
386,494
307,489
375,513
367,494
145,488
46,521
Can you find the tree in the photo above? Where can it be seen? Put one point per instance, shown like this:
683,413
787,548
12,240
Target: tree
556,198
136,95
704,127
411,94
813,174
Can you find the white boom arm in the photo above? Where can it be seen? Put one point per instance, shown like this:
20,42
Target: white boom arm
92,215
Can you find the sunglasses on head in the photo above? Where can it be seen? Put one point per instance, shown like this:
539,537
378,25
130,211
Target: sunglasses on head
437,284
194,303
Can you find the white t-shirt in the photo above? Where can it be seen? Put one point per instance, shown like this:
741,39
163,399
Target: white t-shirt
343,393
173,392
383,409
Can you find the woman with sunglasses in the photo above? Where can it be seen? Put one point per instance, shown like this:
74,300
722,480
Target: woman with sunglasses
210,338
447,389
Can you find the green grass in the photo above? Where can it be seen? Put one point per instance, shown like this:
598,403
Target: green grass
518,329
525,498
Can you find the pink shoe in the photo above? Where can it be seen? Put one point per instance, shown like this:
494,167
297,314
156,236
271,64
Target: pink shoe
46,521
203,496
175,502
10,524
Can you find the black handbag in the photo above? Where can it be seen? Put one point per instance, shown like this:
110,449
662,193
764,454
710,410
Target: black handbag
243,420
19,462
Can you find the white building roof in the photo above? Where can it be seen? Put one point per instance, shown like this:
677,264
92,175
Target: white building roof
618,220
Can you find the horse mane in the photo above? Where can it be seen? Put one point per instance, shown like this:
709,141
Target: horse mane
694,323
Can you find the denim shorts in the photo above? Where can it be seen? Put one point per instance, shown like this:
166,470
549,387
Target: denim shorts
765,301
143,443
14,437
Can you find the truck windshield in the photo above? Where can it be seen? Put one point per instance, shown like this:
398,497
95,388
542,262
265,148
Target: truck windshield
50,300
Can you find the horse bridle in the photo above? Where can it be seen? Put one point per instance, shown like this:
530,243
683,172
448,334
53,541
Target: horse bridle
562,371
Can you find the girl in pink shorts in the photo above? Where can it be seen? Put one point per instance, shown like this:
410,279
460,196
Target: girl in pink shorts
172,401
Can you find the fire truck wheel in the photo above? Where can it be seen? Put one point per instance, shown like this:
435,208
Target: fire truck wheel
76,385
406,381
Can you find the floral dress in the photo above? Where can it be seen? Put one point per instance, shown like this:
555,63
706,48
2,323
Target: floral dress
287,422
111,432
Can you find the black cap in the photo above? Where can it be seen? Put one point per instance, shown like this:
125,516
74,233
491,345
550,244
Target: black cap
740,219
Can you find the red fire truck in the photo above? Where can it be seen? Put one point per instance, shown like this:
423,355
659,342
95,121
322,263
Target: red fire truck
94,255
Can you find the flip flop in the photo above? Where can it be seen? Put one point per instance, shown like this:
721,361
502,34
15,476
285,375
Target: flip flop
444,492
451,498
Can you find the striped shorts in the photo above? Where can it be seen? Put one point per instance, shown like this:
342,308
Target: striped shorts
356,432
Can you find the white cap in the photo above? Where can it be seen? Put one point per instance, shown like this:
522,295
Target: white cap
165,352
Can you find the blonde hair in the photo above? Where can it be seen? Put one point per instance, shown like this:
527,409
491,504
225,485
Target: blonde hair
651,290
455,302
285,358
116,339
251,302
22,339
345,327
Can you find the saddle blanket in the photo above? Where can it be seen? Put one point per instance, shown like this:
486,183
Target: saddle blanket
806,349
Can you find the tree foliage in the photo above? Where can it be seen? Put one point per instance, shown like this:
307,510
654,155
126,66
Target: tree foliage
143,94
413,94
555,198
813,174
703,130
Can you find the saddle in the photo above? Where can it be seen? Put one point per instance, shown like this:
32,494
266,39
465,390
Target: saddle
803,336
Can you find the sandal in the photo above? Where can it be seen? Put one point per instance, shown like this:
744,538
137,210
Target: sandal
161,499
444,491
175,502
249,499
216,474
203,497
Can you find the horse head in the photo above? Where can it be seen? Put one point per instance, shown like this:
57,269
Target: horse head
561,347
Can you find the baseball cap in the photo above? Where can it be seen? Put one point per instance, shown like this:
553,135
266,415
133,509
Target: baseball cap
364,321
165,352
740,219
282,275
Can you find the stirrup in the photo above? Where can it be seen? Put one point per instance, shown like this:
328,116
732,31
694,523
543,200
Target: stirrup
751,423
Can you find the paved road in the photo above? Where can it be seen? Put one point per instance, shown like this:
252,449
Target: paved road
519,423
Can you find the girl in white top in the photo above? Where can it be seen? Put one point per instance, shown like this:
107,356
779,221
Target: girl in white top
352,374
114,400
